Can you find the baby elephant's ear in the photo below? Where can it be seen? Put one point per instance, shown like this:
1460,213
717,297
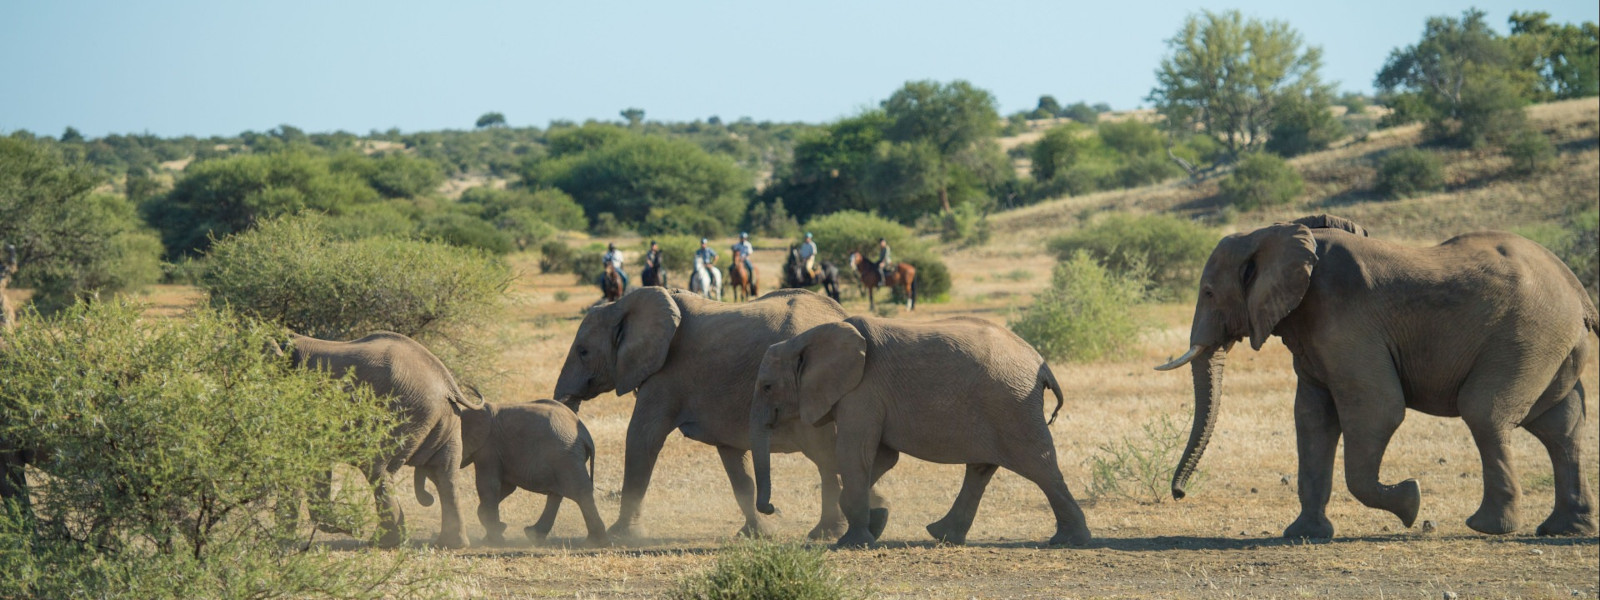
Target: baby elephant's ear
830,363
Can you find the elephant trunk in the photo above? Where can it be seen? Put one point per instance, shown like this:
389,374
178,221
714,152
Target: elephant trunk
1207,369
761,453
420,480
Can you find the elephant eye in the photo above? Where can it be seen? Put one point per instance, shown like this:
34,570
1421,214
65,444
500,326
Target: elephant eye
583,352
766,387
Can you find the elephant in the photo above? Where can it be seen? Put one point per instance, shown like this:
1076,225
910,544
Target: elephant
691,363
434,418
1486,326
955,391
538,446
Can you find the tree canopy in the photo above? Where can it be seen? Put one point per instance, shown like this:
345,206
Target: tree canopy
1226,74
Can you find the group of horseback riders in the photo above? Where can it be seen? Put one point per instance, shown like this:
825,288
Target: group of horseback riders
805,270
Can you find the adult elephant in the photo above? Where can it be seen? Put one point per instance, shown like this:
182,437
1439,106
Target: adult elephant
1488,326
691,363
439,427
954,391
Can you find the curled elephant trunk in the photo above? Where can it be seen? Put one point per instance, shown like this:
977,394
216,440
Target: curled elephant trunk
419,479
1207,390
761,452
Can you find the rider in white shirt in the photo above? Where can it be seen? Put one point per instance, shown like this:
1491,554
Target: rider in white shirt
613,256
808,256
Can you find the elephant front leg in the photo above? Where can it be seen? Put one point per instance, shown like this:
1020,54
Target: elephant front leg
856,473
1316,425
490,493
1369,420
646,434
952,529
737,464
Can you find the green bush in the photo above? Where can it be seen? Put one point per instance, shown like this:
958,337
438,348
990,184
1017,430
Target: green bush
555,256
1138,467
965,223
383,219
1261,180
1408,172
1302,125
1147,169
549,205
680,220
524,227
1530,151
772,220
1170,251
466,231
757,569
1085,314
292,271
168,442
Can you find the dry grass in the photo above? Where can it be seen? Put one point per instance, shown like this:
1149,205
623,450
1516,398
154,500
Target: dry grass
1220,542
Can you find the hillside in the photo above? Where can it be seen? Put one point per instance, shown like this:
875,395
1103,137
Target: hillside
1479,193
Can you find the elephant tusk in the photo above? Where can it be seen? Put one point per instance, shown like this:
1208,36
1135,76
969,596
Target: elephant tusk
1181,360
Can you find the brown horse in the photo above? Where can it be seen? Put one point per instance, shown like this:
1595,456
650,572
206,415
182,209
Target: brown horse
611,284
744,284
902,277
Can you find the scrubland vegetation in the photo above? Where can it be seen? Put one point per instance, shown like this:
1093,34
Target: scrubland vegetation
180,451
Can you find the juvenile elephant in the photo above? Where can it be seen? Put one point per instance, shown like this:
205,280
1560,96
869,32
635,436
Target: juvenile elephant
953,391
430,431
540,447
1487,326
691,363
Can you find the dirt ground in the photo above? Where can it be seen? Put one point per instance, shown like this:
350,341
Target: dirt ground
1222,541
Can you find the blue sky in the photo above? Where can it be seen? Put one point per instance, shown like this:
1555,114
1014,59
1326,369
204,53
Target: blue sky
222,67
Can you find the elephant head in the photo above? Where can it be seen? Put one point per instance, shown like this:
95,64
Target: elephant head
618,346
802,378
1251,282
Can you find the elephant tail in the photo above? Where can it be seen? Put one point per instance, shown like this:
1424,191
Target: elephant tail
588,447
420,480
1049,380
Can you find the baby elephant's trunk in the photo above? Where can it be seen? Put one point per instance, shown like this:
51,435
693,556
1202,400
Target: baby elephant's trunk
420,480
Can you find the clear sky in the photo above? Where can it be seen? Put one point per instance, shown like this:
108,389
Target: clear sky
219,67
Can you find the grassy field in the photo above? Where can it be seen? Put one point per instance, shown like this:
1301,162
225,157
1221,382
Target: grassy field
1222,541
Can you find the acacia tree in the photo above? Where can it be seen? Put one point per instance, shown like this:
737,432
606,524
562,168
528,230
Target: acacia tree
952,118
491,119
1464,79
1226,74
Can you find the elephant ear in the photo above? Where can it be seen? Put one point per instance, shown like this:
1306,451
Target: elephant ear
1277,276
643,335
830,363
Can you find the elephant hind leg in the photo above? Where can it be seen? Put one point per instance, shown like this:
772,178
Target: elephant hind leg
878,511
547,520
1560,429
1072,529
952,529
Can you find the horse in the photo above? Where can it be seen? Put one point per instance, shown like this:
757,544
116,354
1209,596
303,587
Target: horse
794,275
656,276
744,284
706,281
611,284
903,277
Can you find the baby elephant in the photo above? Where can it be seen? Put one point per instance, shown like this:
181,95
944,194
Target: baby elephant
954,391
540,447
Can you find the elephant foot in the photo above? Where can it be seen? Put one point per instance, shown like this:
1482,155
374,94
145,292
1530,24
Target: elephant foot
877,520
391,538
454,540
855,538
1494,521
625,531
1568,523
1410,502
946,532
1316,528
755,529
600,540
334,529
536,534
1077,538
826,531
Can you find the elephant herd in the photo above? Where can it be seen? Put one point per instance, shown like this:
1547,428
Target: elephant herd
1487,326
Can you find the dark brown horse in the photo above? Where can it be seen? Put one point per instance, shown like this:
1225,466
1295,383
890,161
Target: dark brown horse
653,276
611,284
902,277
743,284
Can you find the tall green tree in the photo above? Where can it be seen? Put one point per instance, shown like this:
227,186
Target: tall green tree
631,174
1464,79
1226,74
1566,56
952,119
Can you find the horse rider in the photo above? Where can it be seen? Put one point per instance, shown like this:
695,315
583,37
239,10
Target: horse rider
808,257
652,260
613,257
741,252
704,257
883,261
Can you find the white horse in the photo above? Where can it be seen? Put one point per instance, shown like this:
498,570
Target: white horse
707,281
